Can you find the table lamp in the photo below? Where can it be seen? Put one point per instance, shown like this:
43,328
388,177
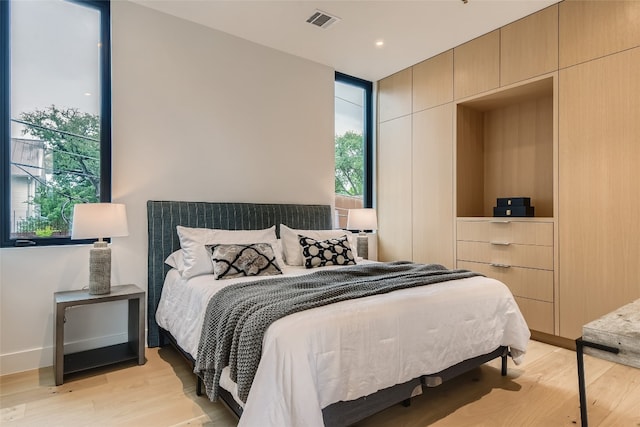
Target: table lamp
361,220
99,220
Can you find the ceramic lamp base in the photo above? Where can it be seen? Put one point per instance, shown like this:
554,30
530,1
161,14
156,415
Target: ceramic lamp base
100,269
363,246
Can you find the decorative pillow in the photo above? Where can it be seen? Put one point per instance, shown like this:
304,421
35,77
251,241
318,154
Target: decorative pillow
197,259
318,253
176,260
257,259
291,243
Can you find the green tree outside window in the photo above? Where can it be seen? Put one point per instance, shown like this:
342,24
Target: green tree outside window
349,164
72,165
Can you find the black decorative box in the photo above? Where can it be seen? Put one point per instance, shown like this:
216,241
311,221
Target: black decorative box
513,211
514,201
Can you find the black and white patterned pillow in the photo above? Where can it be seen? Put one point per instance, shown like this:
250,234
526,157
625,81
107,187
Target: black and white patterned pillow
319,253
236,260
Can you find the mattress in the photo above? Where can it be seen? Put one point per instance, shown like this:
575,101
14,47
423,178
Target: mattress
354,348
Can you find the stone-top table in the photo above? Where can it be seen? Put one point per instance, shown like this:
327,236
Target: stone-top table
614,337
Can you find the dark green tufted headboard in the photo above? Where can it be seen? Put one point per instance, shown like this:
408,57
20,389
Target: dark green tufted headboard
164,216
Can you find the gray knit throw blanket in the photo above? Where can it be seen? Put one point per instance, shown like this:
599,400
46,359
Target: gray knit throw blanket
238,316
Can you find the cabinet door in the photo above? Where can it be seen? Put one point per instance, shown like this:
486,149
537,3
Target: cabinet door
394,189
394,95
599,188
592,29
433,81
432,158
476,65
529,46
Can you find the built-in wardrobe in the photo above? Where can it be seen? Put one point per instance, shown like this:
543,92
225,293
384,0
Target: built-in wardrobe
547,107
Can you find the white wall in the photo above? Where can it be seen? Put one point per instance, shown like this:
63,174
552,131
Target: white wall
197,115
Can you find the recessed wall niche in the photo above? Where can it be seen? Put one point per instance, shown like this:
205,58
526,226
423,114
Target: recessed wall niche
504,148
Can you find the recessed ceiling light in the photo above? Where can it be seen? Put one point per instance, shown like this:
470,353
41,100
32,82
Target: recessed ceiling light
380,43
87,94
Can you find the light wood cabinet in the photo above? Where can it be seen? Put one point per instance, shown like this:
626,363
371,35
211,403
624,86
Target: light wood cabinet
599,184
433,81
505,144
529,46
593,29
476,65
557,121
519,253
432,195
394,190
394,95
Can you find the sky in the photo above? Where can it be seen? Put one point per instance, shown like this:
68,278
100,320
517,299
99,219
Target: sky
349,101
53,44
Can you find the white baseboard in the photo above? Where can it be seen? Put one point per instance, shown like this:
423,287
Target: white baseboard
36,358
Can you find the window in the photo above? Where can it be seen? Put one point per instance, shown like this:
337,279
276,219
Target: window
55,118
353,144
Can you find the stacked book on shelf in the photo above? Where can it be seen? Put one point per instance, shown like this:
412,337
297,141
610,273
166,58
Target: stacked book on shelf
513,206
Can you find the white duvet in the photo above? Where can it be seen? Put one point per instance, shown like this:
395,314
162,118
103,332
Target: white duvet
354,348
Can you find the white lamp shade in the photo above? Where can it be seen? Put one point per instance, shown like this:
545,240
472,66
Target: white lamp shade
98,220
362,219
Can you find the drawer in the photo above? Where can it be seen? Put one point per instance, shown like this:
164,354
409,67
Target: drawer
510,255
506,231
523,282
538,314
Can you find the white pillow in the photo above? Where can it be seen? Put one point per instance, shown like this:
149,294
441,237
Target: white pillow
291,243
176,260
197,260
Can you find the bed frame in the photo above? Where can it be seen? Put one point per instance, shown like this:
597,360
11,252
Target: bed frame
164,216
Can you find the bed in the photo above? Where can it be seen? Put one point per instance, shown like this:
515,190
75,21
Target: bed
314,386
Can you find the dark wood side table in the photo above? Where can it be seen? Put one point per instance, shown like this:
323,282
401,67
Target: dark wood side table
131,350
614,337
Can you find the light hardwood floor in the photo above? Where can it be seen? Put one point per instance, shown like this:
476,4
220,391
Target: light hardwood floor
540,392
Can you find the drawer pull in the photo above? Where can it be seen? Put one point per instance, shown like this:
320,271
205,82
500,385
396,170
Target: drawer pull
501,243
500,265
495,221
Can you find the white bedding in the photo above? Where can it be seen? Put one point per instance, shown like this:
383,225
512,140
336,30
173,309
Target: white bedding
351,349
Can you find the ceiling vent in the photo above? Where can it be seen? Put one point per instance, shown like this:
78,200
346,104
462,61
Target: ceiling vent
322,19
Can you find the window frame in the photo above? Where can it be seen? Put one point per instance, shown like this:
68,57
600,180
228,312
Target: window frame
367,86
103,6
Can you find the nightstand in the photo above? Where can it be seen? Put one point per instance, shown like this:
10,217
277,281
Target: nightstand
131,350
